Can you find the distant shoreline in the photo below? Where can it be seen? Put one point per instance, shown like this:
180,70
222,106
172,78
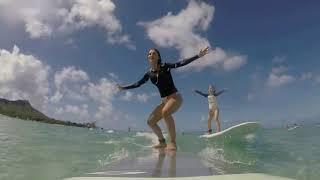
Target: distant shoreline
22,109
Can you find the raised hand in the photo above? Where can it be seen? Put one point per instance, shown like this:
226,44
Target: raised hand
204,51
120,88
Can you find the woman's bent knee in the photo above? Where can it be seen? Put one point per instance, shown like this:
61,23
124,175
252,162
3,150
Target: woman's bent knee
165,114
150,123
152,120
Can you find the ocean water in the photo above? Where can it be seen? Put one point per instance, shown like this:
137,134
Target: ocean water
38,151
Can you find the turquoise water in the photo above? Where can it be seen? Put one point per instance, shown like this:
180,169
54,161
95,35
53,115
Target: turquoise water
37,151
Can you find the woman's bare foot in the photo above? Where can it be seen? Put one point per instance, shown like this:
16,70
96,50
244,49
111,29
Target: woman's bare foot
171,146
160,145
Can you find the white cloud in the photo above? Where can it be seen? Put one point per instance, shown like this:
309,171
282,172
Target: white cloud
306,76
75,113
69,74
279,70
310,76
279,74
113,75
59,111
23,77
26,77
34,14
129,96
143,97
278,77
103,93
81,111
69,83
180,31
38,29
275,80
104,112
279,59
72,82
99,95
43,18
234,62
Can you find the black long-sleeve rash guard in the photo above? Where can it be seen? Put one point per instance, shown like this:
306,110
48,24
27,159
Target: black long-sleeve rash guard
206,95
162,78
201,93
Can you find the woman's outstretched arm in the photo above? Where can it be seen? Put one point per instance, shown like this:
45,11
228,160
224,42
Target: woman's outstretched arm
201,93
144,79
220,92
188,60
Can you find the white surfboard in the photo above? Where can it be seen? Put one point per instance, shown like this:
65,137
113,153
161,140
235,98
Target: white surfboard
236,131
249,176
292,128
166,165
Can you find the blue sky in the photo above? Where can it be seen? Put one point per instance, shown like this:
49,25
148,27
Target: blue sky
66,56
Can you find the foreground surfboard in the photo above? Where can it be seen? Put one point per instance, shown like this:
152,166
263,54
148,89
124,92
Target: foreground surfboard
251,176
161,164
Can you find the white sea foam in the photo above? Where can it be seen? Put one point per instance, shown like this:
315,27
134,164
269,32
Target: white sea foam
114,157
212,157
148,135
250,137
111,142
110,131
215,159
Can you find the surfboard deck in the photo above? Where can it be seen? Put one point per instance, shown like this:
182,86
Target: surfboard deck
162,164
251,176
236,131
158,163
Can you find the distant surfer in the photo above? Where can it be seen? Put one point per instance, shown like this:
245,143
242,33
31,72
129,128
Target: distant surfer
213,106
294,126
160,75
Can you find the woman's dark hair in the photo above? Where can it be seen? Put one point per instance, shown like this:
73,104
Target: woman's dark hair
213,88
158,52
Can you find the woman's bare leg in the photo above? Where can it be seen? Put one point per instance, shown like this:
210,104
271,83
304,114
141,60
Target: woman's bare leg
210,116
153,119
171,128
171,106
216,117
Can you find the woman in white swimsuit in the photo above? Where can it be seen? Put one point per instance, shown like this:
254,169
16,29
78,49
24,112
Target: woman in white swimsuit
213,107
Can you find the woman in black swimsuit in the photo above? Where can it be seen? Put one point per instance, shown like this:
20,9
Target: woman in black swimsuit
171,100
